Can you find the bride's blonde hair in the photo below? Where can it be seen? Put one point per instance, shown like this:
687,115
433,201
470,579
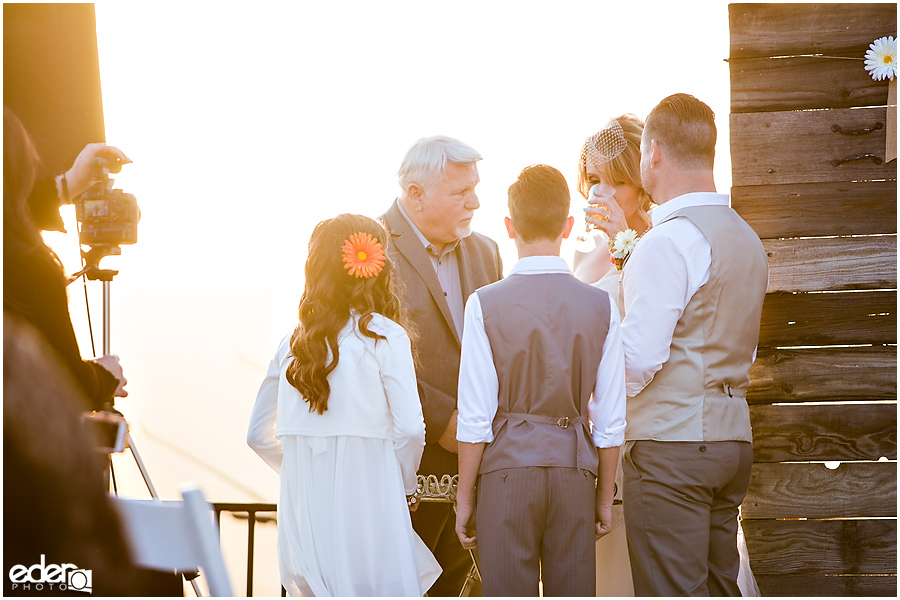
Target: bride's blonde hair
624,168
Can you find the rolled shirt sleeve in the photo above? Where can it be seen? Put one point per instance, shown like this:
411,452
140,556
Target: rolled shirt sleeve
606,407
478,383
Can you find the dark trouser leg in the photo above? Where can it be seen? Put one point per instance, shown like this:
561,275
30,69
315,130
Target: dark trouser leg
568,550
436,525
724,559
673,492
510,513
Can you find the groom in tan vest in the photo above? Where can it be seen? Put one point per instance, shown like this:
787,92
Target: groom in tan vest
694,288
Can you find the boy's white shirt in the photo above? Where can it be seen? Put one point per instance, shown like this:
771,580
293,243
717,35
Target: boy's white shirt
479,386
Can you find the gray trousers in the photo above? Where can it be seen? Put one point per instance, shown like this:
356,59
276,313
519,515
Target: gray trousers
536,524
681,507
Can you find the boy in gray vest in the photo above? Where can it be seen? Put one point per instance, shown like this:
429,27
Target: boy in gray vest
542,360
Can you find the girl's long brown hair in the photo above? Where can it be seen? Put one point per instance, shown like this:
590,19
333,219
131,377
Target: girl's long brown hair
329,294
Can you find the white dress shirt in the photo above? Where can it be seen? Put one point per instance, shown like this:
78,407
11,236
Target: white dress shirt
670,263
479,386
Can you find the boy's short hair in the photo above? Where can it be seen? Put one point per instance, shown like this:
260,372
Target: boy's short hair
539,203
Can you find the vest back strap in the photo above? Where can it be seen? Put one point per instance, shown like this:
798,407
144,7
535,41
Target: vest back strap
562,422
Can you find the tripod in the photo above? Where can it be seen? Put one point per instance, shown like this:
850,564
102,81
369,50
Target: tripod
93,272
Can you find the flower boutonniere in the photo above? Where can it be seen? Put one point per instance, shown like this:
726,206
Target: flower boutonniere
622,246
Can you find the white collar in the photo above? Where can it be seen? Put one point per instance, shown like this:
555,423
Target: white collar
532,265
665,210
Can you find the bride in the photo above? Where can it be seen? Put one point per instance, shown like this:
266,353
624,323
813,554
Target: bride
612,156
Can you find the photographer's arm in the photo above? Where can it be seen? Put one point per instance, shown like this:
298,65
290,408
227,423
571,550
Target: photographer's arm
49,193
44,202
34,290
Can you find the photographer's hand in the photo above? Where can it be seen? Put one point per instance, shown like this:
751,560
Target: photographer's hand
110,362
80,175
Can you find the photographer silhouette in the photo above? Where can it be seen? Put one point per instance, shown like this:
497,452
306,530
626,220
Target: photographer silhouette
34,285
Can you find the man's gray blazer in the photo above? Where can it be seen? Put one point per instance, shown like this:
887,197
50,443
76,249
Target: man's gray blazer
438,346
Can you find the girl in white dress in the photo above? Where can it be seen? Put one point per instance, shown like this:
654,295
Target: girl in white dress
338,416
612,156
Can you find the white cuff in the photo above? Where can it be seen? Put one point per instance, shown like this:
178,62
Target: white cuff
611,438
473,433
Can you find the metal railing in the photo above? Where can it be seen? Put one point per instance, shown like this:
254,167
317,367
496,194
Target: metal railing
429,489
250,509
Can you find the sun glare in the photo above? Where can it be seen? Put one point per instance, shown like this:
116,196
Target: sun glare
247,127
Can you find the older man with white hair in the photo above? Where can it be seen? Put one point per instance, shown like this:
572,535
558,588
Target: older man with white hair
440,261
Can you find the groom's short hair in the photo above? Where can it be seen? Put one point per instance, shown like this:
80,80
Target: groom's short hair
539,202
685,128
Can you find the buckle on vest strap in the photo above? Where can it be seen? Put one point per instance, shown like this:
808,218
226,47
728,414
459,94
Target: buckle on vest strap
563,422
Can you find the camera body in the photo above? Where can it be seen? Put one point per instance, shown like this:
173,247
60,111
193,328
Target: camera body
107,216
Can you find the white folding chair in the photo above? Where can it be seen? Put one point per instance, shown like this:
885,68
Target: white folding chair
176,536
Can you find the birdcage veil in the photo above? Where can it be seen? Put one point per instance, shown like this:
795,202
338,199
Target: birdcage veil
605,145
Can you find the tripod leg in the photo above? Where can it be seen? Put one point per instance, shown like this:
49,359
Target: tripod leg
141,467
106,311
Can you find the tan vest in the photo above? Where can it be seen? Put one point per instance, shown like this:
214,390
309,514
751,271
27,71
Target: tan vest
547,333
699,394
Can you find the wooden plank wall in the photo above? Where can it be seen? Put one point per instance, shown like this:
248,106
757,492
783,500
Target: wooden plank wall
824,386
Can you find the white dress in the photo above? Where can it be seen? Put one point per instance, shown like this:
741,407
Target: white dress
612,549
343,522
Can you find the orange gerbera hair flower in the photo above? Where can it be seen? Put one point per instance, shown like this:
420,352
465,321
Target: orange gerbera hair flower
363,255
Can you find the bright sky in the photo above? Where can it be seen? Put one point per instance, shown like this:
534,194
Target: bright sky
250,122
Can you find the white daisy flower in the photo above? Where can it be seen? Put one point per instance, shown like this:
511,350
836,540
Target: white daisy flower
881,58
624,242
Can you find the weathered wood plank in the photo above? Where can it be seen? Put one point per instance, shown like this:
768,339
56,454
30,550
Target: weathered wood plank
801,319
833,586
786,29
795,83
813,491
824,432
818,209
823,374
823,264
845,546
770,148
